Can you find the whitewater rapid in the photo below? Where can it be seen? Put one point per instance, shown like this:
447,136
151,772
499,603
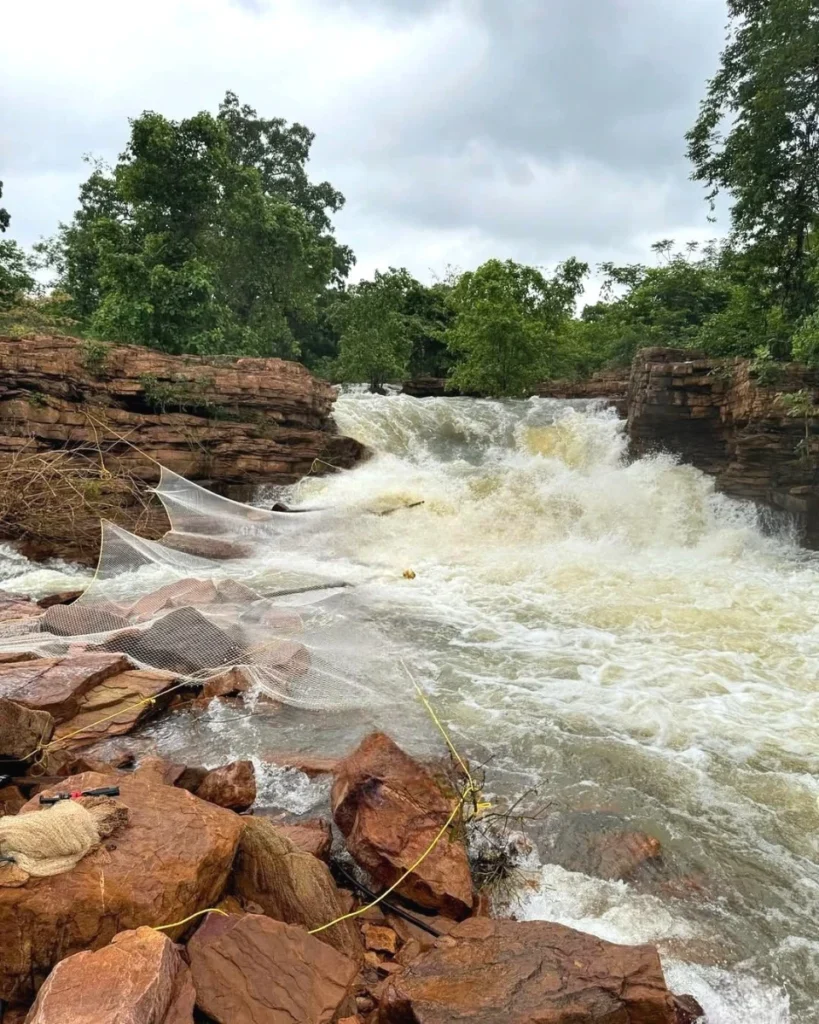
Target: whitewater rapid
618,636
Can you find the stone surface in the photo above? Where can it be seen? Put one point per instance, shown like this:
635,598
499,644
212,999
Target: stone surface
139,978
312,767
717,416
63,597
380,938
390,809
599,843
275,420
22,730
251,969
172,860
290,885
11,799
13,609
608,385
314,836
233,785
532,972
57,685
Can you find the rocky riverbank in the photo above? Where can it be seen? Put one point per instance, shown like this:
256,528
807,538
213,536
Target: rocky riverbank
90,422
188,906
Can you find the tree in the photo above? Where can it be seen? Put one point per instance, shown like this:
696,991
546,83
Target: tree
507,323
16,279
376,331
4,214
206,236
757,137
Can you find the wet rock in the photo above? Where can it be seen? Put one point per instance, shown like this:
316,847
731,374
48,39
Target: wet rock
251,969
206,547
314,836
181,641
532,972
290,885
178,594
227,684
687,1010
22,730
172,860
80,620
139,978
11,800
390,809
63,597
312,767
57,685
232,786
596,843
115,706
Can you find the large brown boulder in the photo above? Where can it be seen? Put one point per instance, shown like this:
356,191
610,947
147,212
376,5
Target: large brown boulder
171,861
250,969
140,978
390,809
531,972
290,885
57,685
233,786
22,731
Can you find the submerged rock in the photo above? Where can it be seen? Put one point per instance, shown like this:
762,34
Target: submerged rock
390,809
532,972
251,969
139,978
171,860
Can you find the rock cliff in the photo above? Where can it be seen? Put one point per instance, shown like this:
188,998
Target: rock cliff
220,421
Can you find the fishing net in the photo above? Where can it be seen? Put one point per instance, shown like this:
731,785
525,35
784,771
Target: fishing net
220,592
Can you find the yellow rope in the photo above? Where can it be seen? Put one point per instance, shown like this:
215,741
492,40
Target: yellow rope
199,913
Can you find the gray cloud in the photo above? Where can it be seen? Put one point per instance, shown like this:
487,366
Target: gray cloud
458,129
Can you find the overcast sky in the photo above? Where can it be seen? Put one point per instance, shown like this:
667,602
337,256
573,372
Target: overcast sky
457,129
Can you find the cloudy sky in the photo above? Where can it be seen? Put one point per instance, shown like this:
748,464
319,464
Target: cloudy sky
457,129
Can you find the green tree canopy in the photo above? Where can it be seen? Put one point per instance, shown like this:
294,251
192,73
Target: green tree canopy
757,137
206,236
507,324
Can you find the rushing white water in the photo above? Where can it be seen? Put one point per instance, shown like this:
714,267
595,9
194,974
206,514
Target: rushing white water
619,636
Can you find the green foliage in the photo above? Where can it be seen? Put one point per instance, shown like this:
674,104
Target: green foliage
16,279
507,322
205,237
376,329
806,340
4,214
94,356
800,405
756,138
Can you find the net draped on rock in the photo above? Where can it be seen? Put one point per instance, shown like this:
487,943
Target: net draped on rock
219,592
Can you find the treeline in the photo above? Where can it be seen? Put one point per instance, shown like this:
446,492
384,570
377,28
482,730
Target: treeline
207,236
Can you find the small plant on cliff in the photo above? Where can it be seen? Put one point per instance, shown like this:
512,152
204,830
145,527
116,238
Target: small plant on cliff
800,404
94,356
181,394
765,370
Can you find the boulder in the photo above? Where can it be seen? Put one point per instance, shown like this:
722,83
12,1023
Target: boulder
380,939
599,843
250,969
80,620
312,767
56,685
314,836
139,978
227,684
390,810
11,800
233,786
22,730
290,885
530,972
172,860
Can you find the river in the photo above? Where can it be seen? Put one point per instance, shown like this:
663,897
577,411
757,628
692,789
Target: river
618,636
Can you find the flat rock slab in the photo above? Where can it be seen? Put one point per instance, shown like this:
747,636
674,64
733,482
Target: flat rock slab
171,860
250,969
139,978
56,685
529,972
390,810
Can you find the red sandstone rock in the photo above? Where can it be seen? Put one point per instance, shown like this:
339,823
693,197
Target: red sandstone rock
390,809
139,978
533,972
11,800
14,608
228,684
380,939
253,970
233,785
170,861
56,685
314,836
22,730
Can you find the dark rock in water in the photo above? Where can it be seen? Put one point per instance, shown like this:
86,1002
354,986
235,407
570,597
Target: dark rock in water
688,1010
390,809
232,786
206,547
64,597
249,969
79,620
140,977
530,972
182,641
599,844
